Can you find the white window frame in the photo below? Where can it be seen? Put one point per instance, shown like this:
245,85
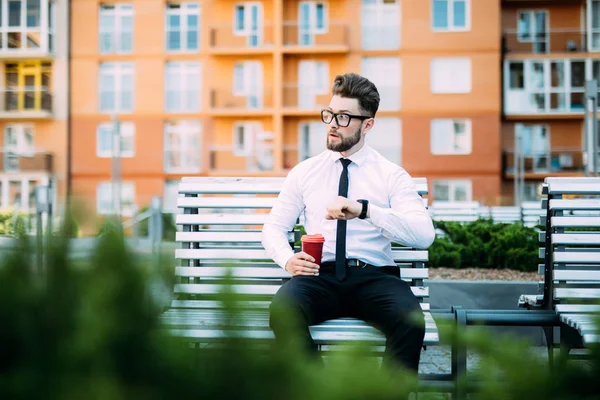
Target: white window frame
450,21
127,132
251,83
170,197
247,30
379,29
452,185
312,28
185,9
593,33
185,72
245,146
520,98
120,70
190,138
118,12
532,34
448,75
306,133
541,159
380,138
442,123
381,79
23,147
44,30
127,201
316,84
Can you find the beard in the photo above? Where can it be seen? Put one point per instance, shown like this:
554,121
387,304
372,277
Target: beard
346,143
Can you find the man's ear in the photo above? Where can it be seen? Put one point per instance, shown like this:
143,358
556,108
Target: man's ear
368,125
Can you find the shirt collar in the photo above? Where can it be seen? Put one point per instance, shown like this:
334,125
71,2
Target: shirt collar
357,158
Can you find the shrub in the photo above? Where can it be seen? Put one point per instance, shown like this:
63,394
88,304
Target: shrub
485,244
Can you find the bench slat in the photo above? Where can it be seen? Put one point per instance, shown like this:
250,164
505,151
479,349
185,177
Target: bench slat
574,188
575,222
221,219
275,272
573,275
577,257
579,293
223,237
260,254
259,290
575,204
577,308
226,202
576,238
191,306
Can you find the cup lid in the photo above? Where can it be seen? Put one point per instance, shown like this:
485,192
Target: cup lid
317,237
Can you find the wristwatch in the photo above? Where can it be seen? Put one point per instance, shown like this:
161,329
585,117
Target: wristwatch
365,207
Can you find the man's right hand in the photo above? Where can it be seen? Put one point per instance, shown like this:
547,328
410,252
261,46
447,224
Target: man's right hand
302,264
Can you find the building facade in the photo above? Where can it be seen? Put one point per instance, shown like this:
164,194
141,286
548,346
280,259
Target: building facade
224,87
33,102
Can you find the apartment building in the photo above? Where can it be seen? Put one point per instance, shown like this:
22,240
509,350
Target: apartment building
550,50
224,87
33,100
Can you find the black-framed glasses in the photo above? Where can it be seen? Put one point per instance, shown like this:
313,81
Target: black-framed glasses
342,119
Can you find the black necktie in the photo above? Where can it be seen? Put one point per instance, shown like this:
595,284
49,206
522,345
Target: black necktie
340,240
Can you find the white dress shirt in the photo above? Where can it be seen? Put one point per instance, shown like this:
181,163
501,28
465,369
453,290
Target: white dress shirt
397,212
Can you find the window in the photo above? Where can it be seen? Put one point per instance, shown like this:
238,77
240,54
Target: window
182,151
380,24
104,139
594,29
451,15
385,73
450,136
545,86
105,202
532,27
183,27
19,142
313,81
27,86
312,139
182,86
534,146
248,82
312,20
116,87
386,138
170,196
244,137
116,28
249,22
450,75
452,190
26,25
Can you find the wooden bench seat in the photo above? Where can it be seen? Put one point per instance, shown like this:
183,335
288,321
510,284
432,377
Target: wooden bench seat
220,239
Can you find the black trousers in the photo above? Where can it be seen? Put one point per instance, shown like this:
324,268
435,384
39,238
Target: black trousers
375,295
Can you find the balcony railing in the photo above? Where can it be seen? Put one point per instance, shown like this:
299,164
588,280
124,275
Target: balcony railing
225,99
294,34
223,159
558,160
225,37
305,97
553,41
34,161
26,100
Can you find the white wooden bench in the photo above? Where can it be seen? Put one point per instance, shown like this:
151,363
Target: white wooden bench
571,253
458,211
220,239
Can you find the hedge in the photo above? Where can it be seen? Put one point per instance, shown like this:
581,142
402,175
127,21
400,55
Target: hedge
485,244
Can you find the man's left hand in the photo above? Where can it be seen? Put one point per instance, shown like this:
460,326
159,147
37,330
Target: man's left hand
342,208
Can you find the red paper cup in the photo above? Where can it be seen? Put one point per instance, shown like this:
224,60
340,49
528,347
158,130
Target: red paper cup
313,245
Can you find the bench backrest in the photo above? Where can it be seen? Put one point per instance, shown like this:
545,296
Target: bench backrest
220,242
571,241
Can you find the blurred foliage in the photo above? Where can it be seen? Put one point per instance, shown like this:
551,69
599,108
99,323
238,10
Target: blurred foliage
169,227
14,225
485,244
92,330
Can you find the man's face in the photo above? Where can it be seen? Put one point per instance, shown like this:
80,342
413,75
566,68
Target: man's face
342,139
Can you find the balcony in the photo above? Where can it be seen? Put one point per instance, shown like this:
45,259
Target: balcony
26,103
36,161
555,41
224,102
333,39
224,39
224,160
566,161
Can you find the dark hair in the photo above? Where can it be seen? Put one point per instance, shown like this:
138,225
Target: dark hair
354,86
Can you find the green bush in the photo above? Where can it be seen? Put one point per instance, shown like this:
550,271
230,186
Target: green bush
485,244
14,227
